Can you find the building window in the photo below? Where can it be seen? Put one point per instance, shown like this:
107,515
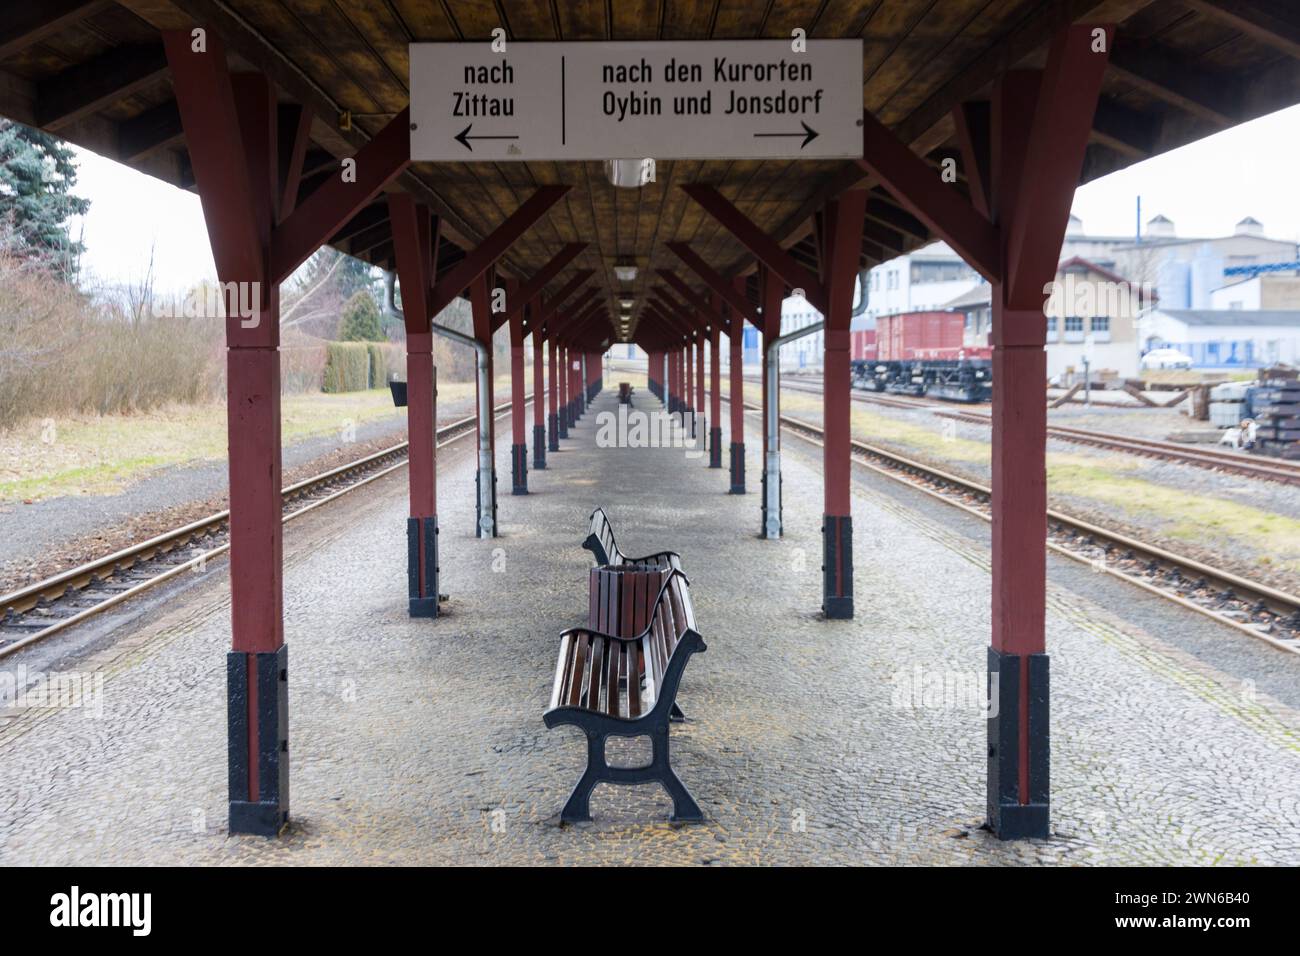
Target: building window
1074,328
1100,325
893,279
1051,325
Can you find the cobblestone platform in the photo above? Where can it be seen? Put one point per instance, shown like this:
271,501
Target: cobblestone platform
418,741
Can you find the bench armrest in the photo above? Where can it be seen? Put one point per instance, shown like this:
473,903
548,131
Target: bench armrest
592,632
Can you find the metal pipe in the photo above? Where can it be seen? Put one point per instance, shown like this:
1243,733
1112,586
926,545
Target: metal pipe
487,520
772,466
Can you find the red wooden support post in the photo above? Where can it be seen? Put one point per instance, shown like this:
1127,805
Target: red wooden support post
234,151
539,387
414,239
715,394
699,384
688,393
553,423
519,439
1040,130
843,242
563,380
736,341
480,298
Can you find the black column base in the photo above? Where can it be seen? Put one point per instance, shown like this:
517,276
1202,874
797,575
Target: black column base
737,467
553,432
715,448
422,595
564,421
539,447
269,813
837,567
519,469
1008,818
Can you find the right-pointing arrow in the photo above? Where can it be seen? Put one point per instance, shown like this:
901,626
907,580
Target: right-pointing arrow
809,134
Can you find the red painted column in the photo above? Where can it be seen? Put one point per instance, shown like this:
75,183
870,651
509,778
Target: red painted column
715,395
842,232
736,375
539,392
688,355
565,418
519,439
553,423
699,384
231,128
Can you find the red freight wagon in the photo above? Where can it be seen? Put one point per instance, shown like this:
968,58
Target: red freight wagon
915,335
862,345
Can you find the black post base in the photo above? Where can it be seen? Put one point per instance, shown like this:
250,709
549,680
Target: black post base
267,812
422,590
519,469
564,421
1008,818
715,448
539,447
837,566
737,467
553,432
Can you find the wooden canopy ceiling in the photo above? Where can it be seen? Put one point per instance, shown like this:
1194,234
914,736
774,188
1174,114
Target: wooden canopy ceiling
93,72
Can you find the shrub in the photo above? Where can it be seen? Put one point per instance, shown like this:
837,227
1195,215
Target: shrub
347,367
361,322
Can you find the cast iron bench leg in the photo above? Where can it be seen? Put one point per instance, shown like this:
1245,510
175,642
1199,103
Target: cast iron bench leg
685,809
676,715
578,807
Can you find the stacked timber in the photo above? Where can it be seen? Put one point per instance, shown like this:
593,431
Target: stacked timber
1277,417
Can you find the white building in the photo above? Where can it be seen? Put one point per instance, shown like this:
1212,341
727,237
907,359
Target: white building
921,281
1231,338
1266,291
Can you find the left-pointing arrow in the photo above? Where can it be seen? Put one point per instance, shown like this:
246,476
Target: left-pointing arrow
809,134
463,137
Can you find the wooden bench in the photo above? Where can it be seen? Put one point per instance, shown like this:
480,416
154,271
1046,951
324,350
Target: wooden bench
600,542
611,686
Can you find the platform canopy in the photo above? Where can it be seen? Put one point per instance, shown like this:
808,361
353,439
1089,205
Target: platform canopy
94,72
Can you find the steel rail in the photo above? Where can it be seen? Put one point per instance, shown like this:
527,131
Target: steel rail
66,584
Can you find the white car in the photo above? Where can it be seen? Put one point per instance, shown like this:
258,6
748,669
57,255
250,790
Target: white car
1166,358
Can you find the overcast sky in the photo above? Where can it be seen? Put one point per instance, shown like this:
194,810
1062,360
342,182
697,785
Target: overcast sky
1205,188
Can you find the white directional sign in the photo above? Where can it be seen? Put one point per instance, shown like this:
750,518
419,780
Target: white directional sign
729,99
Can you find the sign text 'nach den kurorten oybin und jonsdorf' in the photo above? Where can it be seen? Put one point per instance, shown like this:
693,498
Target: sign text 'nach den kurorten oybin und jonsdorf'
726,99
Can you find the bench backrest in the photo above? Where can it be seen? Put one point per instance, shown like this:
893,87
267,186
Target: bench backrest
672,617
600,542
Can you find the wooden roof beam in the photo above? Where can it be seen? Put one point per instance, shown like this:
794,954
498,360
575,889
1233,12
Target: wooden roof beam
943,210
494,246
732,296
542,278
701,303
82,89
1262,24
152,130
764,248
1168,77
23,25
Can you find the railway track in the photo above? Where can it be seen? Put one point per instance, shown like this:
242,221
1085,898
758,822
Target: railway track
40,610
1256,609
1272,469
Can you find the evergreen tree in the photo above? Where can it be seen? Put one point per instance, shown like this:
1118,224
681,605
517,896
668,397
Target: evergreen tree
37,176
361,322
